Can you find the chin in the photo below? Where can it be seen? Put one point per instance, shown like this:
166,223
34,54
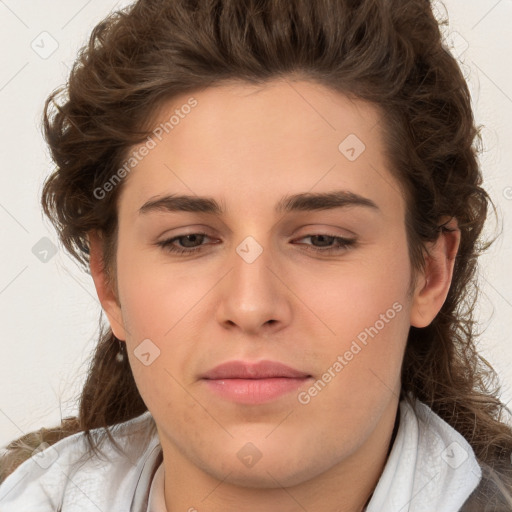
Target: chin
269,474
262,479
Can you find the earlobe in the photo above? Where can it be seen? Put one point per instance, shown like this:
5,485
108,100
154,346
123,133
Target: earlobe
106,294
433,284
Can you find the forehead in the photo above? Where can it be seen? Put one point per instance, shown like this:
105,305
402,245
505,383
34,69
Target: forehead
240,142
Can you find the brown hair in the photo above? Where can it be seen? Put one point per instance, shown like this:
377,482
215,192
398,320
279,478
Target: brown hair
388,53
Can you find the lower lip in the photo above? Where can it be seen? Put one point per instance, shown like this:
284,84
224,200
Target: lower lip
254,391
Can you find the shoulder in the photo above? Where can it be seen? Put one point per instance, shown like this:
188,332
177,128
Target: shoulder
61,473
490,493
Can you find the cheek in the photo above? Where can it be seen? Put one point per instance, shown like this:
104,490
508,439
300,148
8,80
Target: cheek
348,296
154,295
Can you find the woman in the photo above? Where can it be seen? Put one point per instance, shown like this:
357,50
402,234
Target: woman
280,206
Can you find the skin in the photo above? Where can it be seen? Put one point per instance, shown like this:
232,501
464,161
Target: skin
247,147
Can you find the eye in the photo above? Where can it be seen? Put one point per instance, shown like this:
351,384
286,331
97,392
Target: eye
192,243
192,238
325,240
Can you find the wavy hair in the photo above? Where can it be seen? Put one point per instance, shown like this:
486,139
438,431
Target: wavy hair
390,54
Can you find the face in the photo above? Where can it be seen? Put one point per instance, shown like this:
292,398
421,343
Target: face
266,276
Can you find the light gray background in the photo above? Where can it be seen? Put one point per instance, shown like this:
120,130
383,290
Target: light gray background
49,310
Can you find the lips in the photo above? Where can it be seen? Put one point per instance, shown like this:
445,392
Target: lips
259,370
253,383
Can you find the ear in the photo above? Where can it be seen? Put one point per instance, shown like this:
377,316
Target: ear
433,284
104,288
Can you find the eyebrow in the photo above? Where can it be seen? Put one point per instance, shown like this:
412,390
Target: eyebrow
292,203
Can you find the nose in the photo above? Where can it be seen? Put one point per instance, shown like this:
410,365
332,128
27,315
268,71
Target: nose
253,296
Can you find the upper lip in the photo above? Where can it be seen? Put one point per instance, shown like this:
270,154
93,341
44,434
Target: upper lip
253,370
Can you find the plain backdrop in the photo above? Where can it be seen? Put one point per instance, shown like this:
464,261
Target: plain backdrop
49,311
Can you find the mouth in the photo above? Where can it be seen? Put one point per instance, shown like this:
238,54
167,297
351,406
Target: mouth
254,383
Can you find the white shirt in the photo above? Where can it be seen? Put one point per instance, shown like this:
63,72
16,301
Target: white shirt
430,467
156,495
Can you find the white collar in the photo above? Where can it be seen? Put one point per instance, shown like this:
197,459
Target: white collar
430,467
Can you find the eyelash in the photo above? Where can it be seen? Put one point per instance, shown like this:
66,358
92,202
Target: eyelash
343,244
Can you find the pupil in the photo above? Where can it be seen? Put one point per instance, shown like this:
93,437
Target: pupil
325,238
190,238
